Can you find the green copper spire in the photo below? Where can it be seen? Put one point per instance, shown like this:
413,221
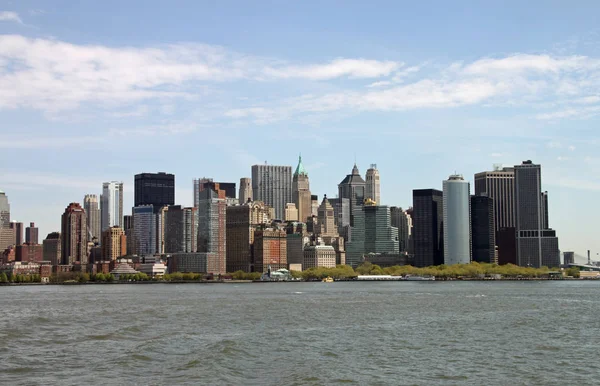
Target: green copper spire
300,168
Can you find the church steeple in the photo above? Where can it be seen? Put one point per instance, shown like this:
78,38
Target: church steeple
355,169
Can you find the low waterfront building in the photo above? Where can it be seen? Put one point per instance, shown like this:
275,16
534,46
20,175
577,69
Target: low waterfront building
189,262
156,269
123,267
319,256
26,253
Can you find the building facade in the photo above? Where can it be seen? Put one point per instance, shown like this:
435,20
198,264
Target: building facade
372,184
18,231
4,210
156,189
537,245
353,188
483,234
245,190
499,186
457,220
272,185
212,231
270,250
52,248
228,188
301,192
91,205
111,205
31,234
402,220
180,229
144,230
241,221
74,241
319,256
114,243
291,212
428,234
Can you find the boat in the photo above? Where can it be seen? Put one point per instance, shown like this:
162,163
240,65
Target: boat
419,278
328,279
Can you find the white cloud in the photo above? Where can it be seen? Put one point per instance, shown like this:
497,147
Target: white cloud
10,16
522,63
33,142
352,68
572,148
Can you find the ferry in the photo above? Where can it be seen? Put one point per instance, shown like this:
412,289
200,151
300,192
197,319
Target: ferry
328,279
419,278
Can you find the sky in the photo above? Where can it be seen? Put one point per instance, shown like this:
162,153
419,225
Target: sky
94,91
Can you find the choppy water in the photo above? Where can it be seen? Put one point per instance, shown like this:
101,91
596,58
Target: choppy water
428,333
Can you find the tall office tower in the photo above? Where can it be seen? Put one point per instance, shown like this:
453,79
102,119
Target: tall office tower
181,230
111,205
31,234
457,221
483,235
301,192
74,241
341,209
544,211
499,186
428,236
144,230
270,249
245,190
212,212
4,211
536,245
241,221
52,248
156,189
402,221
272,185
372,187
353,188
297,239
373,233
19,231
327,230
114,243
201,184
91,206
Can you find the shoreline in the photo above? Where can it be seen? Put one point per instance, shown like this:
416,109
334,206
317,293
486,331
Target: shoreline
289,281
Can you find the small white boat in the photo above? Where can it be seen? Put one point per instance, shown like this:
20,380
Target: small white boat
419,278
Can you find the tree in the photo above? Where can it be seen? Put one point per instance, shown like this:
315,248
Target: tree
3,278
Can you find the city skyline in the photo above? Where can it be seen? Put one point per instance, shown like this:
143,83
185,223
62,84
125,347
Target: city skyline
446,99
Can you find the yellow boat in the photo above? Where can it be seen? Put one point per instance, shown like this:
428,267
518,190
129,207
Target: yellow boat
328,279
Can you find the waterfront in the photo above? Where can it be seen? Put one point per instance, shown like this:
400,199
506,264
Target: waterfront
538,332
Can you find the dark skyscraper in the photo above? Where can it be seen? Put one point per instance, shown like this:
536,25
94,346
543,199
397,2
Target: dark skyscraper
353,188
31,234
428,213
483,236
19,231
201,184
157,189
74,235
537,245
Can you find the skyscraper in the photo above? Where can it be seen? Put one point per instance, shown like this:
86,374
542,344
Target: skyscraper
181,229
327,230
372,233
402,221
353,188
341,209
301,192
270,249
212,234
372,187
201,184
537,245
4,211
428,236
156,189
457,221
18,231
272,185
499,186
241,221
74,235
31,234
483,235
144,230
92,211
245,190
111,205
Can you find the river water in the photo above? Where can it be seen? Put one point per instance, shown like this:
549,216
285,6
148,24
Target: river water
366,333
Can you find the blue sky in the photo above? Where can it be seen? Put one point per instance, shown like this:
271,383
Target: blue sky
98,91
